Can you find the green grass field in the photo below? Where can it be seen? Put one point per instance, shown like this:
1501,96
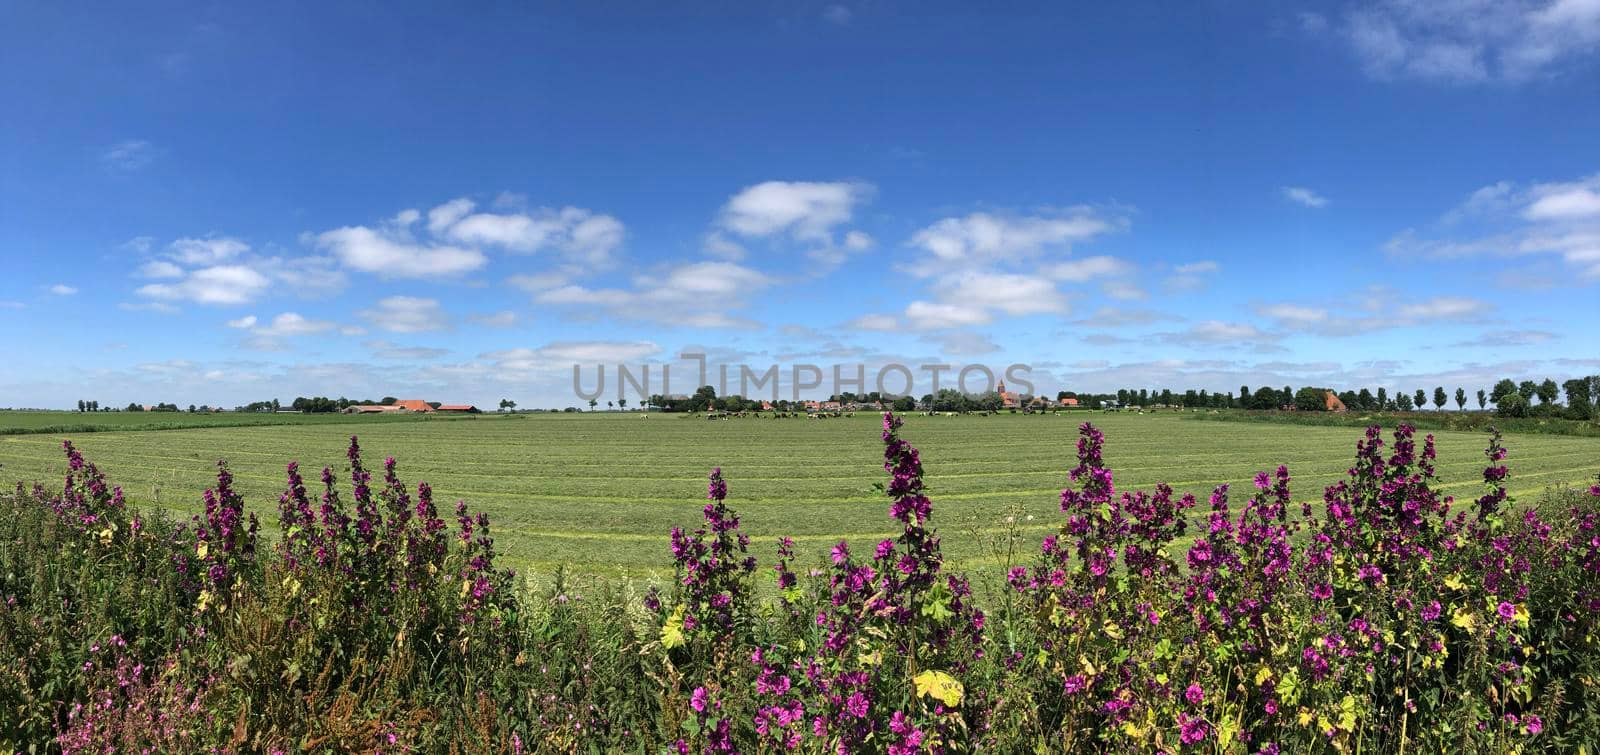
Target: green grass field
599,492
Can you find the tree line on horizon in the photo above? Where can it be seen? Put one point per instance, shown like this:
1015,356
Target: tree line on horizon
1510,398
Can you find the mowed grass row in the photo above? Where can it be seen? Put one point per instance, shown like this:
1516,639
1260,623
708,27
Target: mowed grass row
600,492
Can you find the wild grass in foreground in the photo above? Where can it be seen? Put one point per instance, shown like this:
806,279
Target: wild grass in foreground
1383,617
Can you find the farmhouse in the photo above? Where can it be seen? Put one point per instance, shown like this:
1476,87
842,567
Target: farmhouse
1333,403
410,406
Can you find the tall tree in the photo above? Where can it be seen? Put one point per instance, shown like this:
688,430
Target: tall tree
1527,389
1383,399
1439,398
1548,392
1421,398
1483,399
1461,399
1580,404
1504,387
1403,401
81,405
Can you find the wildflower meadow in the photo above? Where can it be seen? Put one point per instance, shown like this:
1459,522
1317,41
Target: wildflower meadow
1375,615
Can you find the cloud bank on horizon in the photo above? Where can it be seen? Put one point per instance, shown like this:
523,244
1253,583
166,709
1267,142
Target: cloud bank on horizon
225,207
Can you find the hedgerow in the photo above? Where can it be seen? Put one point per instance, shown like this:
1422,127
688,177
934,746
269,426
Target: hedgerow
1382,616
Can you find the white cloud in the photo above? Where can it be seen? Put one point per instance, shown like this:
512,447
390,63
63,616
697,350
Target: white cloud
160,269
983,237
129,156
802,210
1302,196
698,295
1113,317
1508,338
151,306
386,350
886,323
221,270
1088,268
218,285
1011,294
1190,276
1193,268
924,315
407,314
720,246
1445,307
598,351
361,248
1294,313
290,324
271,336
1464,41
1220,332
1557,219
962,343
557,358
305,277
1573,201
1372,310
837,14
446,215
580,235
539,281
207,251
502,319
62,289
1124,290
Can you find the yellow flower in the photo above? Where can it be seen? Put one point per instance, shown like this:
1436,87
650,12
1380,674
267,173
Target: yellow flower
672,630
941,686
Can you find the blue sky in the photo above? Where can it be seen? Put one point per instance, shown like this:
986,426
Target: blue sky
205,204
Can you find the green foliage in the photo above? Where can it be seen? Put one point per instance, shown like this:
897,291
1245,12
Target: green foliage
1513,405
1311,399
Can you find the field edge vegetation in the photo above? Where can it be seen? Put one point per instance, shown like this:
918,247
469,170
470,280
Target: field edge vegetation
381,621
